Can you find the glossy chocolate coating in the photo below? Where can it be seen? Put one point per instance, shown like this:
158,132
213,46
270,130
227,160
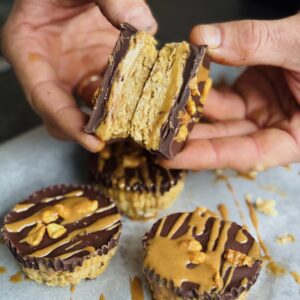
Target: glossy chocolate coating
102,241
152,183
189,290
120,49
169,147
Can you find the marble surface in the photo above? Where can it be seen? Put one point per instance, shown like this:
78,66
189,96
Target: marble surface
35,160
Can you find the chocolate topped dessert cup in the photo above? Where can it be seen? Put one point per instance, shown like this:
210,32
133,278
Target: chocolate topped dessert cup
132,177
152,96
63,234
195,255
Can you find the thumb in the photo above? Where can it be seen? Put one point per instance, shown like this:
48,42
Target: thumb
253,42
135,12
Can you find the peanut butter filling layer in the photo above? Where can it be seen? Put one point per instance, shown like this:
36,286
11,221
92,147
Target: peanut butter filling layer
126,90
159,94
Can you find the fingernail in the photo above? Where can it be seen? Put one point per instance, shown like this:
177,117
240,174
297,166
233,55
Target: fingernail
141,18
210,35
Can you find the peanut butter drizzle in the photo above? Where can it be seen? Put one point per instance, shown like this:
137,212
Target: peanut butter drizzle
296,276
71,209
223,211
76,193
136,289
276,269
2,270
102,297
99,225
255,224
244,281
73,245
236,201
16,277
175,255
22,207
241,237
73,288
89,249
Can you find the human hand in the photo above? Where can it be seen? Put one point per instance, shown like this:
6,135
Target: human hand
53,44
255,123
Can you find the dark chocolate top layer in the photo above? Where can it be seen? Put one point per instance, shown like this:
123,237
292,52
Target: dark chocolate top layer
91,221
119,51
128,166
179,228
169,147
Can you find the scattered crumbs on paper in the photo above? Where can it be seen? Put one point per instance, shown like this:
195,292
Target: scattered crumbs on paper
2,270
285,239
136,289
296,276
266,207
248,175
274,189
276,269
16,277
287,167
102,297
220,175
73,288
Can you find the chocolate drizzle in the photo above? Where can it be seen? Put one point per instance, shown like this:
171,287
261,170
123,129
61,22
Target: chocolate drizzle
120,49
101,240
240,278
148,176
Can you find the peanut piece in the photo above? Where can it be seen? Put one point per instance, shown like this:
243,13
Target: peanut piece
49,215
55,230
35,235
130,161
239,259
191,107
105,153
196,257
85,207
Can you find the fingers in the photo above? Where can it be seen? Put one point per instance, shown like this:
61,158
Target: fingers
134,12
253,42
262,149
222,129
59,110
224,103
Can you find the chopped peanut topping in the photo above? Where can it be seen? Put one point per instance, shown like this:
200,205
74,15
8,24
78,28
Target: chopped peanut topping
130,161
49,215
196,257
284,239
239,259
105,153
266,207
35,235
191,107
182,133
55,230
193,85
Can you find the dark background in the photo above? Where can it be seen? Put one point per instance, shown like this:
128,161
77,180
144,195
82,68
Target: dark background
175,18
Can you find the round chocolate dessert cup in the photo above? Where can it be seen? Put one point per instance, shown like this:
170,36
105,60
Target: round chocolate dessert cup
63,234
131,176
195,255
